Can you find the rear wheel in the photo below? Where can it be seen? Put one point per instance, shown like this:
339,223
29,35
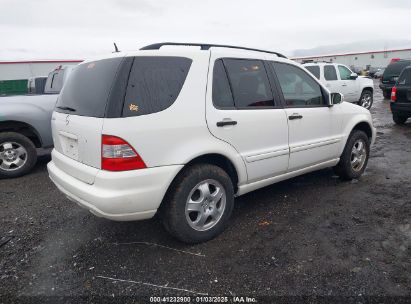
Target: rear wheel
366,99
17,155
399,119
354,158
199,203
386,94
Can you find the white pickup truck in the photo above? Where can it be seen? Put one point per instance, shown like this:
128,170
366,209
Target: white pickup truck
25,125
338,78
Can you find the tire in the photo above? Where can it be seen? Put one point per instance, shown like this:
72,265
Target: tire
17,155
192,184
386,94
399,119
366,99
347,168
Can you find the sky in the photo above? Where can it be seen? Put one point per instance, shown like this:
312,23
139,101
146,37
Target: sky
75,29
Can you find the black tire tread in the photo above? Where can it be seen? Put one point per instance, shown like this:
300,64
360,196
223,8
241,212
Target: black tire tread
343,168
170,210
31,154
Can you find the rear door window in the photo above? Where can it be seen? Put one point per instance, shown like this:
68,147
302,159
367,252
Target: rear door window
315,70
88,87
154,84
330,73
249,83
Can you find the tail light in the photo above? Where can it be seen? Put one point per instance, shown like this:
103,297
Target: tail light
395,60
119,155
394,94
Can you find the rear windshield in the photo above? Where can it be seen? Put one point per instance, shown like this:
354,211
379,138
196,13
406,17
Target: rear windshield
123,87
315,70
395,68
87,89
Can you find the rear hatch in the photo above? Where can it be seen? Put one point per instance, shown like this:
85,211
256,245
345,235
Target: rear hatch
404,87
79,115
393,70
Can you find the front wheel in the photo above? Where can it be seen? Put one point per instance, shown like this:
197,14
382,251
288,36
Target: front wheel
17,155
198,204
354,158
366,99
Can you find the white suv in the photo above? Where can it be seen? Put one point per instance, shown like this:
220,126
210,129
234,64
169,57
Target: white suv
181,131
338,78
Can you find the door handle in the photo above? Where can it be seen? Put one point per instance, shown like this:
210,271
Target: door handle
226,123
344,85
295,116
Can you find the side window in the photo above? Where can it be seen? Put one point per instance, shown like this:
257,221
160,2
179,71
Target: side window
344,72
222,97
330,73
315,70
405,78
154,84
299,88
249,83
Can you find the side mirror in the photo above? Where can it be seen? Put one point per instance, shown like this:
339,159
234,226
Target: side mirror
354,76
337,98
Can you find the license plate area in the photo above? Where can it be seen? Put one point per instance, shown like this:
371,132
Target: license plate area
69,143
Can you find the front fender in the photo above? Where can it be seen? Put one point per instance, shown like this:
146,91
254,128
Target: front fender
353,115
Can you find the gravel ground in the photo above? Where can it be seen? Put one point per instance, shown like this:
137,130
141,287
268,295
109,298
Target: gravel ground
314,235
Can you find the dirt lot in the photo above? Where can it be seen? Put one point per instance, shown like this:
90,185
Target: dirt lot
314,235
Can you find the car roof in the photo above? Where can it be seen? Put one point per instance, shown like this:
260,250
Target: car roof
195,50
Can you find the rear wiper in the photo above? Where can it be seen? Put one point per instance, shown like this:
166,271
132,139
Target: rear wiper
66,108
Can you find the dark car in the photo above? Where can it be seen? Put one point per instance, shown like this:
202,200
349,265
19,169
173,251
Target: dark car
401,97
390,76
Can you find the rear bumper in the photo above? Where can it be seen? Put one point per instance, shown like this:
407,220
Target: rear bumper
386,87
401,108
119,196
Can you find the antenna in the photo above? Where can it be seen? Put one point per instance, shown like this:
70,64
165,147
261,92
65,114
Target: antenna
115,48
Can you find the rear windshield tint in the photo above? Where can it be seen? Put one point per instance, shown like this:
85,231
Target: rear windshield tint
315,70
154,84
395,68
87,89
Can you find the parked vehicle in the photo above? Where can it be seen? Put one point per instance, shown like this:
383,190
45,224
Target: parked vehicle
25,125
379,73
338,78
401,97
182,131
372,71
391,74
36,85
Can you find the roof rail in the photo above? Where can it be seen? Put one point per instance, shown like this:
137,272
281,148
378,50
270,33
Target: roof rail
206,46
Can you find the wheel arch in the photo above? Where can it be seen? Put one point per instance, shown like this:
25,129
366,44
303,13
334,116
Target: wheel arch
22,128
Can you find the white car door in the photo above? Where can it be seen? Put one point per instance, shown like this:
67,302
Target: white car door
349,87
243,110
314,127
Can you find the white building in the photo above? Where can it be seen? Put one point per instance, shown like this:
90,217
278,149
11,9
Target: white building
361,60
14,70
